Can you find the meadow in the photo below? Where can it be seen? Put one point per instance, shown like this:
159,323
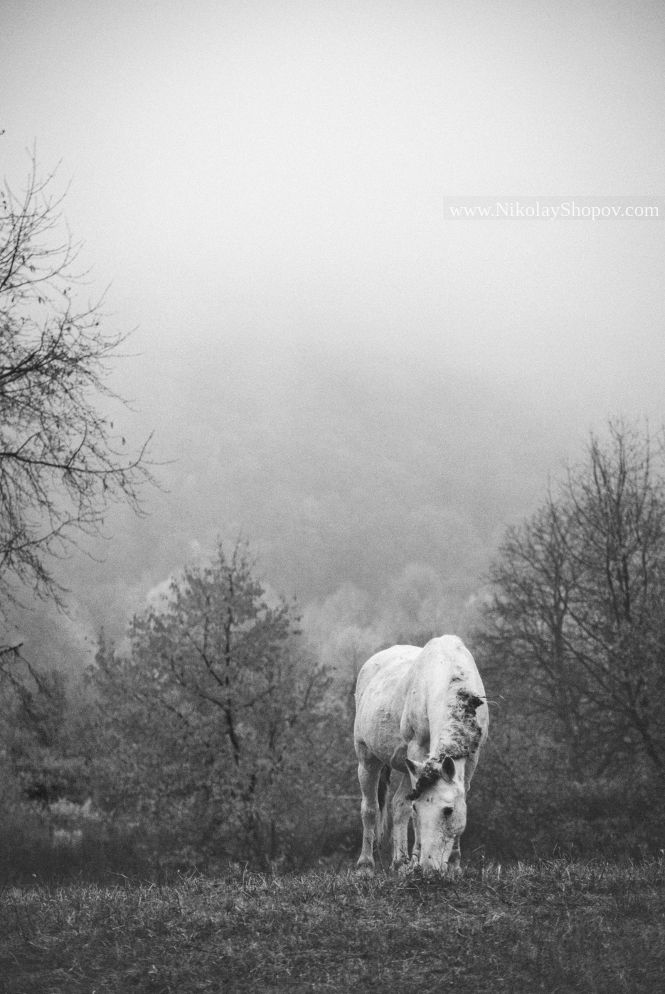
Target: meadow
565,926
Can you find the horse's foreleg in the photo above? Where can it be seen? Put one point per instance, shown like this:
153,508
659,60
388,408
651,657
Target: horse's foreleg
369,810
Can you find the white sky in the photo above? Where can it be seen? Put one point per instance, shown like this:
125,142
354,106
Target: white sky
284,164
302,151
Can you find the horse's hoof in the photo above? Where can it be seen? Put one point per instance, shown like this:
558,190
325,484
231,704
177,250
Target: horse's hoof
366,869
408,867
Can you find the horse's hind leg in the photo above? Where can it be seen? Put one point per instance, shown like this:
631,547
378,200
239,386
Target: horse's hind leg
415,855
368,775
401,818
455,860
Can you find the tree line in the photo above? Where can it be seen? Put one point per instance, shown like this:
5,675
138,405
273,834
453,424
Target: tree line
572,643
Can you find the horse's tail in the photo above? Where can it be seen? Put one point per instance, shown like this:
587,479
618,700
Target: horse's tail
382,821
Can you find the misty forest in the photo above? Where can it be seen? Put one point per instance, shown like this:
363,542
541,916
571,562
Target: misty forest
215,729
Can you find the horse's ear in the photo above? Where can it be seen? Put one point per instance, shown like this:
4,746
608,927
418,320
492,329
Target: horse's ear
448,767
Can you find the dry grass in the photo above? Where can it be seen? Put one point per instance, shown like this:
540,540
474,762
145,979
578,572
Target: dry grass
555,926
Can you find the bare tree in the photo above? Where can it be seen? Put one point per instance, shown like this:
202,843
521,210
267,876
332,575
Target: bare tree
61,460
576,625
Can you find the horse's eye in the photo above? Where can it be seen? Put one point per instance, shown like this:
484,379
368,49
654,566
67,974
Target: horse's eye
447,812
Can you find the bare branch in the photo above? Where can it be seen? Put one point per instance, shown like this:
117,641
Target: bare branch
61,462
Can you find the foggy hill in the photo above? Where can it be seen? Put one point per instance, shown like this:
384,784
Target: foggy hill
338,468
373,487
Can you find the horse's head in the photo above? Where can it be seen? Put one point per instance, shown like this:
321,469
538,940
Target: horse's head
438,799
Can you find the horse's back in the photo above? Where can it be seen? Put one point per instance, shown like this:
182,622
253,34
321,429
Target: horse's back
385,665
445,681
380,692
409,692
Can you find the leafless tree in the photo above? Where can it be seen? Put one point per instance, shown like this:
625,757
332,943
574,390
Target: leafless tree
62,462
576,624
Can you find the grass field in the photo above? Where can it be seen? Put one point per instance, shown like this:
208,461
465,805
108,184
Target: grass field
561,926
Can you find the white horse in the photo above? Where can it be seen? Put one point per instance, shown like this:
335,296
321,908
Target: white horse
423,713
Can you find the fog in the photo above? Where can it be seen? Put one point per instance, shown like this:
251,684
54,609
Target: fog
366,391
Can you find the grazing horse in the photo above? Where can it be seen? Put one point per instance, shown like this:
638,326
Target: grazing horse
422,713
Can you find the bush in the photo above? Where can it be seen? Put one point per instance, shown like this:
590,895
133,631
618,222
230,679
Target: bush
518,810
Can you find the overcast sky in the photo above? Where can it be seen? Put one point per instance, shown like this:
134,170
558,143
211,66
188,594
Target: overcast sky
280,169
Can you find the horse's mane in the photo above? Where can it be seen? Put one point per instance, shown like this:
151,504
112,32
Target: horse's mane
463,734
460,739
